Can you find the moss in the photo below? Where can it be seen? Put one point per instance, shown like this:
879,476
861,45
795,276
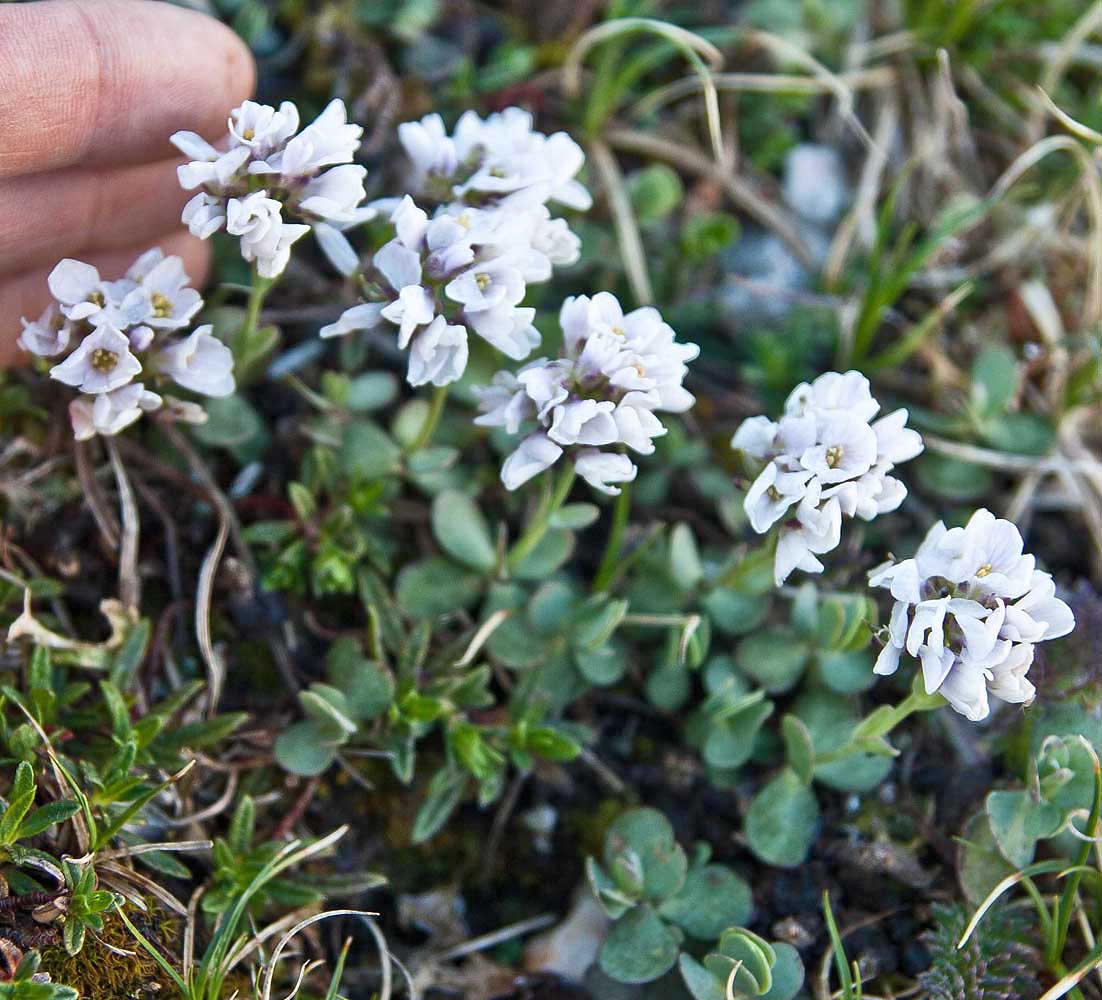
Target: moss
100,973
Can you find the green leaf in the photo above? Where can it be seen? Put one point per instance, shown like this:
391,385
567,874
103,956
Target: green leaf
734,613
712,899
686,569
951,478
846,672
648,833
328,708
596,622
655,192
304,748
788,973
602,666
798,749
46,816
994,379
704,234
552,551
436,587
368,687
551,744
748,956
445,792
367,451
775,658
782,821
575,516
640,947
462,531
371,391
699,981
730,739
1018,821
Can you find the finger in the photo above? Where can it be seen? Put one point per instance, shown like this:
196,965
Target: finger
109,82
70,212
26,294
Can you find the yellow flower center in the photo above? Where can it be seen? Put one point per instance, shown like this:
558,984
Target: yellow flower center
640,369
248,134
162,307
774,494
103,360
983,570
834,456
619,331
97,299
483,280
497,172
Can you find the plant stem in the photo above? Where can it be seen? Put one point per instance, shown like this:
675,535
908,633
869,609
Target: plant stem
436,408
882,721
611,557
551,501
130,584
260,288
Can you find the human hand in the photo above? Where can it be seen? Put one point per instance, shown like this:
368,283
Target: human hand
89,94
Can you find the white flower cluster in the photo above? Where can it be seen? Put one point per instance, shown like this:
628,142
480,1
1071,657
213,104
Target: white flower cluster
824,459
108,328
971,606
615,372
267,166
466,267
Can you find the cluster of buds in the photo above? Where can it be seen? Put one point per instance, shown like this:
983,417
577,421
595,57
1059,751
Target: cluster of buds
824,459
466,267
616,371
108,333
267,166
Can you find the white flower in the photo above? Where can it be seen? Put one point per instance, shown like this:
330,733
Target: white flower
48,335
817,529
825,448
204,215
167,301
265,237
101,363
199,362
335,195
601,468
616,372
365,316
962,609
261,128
329,139
77,288
438,354
110,412
534,454
427,144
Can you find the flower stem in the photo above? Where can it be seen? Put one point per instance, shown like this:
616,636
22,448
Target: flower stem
436,408
873,730
259,289
609,561
551,501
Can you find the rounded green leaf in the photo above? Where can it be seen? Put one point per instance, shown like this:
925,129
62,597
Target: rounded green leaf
782,821
1018,821
462,531
712,899
640,947
774,658
303,748
788,973
436,587
648,833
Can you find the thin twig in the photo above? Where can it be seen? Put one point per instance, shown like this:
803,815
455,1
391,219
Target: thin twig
101,511
130,584
623,218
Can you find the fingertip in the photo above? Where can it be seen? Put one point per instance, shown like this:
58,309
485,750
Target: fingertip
135,71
